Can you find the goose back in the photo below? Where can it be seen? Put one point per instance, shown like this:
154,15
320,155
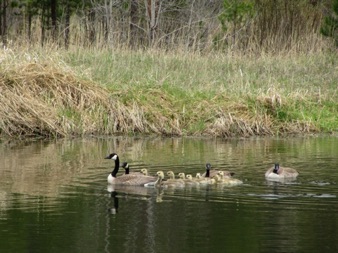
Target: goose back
127,171
278,172
212,172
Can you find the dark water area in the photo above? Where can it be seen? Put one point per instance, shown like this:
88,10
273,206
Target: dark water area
54,197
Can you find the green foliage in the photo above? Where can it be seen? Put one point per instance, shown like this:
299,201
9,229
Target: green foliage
42,7
70,113
330,24
198,126
235,12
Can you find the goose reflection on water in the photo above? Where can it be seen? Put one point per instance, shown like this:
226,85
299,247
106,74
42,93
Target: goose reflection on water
132,192
115,198
115,208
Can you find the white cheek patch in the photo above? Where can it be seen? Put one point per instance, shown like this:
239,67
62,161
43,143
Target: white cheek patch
114,157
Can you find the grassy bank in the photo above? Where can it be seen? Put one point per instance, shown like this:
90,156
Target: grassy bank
81,92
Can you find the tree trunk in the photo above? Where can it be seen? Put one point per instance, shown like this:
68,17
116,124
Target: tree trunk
133,38
1,20
92,35
67,25
3,24
29,27
43,28
108,21
153,8
53,7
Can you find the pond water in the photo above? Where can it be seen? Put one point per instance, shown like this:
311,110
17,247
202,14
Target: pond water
54,197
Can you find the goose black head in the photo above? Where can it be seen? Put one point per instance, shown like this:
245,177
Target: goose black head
125,165
208,167
112,156
276,168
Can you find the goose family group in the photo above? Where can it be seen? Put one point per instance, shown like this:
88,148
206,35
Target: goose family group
208,177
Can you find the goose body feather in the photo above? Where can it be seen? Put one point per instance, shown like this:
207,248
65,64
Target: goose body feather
221,179
127,171
278,172
212,172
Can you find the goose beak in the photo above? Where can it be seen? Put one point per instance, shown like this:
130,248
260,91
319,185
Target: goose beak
107,157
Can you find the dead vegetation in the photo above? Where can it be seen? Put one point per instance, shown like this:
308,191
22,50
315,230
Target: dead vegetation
41,100
49,101
37,100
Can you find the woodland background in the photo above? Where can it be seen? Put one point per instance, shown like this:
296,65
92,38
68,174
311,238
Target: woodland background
194,25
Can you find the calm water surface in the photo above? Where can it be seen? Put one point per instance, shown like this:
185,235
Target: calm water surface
54,197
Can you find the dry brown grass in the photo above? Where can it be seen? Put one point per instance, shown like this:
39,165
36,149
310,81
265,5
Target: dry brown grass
34,96
42,100
43,97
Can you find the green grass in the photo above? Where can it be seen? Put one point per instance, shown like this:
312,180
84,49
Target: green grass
234,75
306,83
184,93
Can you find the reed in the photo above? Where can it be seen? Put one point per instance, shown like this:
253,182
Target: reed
59,93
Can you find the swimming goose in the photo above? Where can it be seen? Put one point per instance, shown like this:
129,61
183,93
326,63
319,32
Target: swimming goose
171,174
160,183
226,180
198,175
204,180
139,180
156,183
190,181
112,176
127,171
172,182
172,178
210,173
126,179
278,172
182,177
144,172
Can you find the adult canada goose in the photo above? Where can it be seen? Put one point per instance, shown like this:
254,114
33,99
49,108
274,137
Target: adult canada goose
139,179
278,172
126,179
210,173
127,171
226,180
112,176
